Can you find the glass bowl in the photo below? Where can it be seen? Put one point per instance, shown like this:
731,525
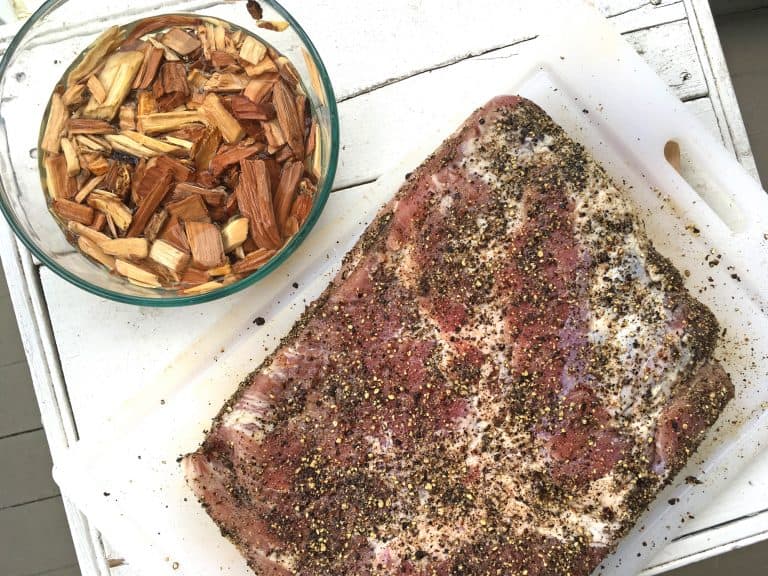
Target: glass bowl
33,64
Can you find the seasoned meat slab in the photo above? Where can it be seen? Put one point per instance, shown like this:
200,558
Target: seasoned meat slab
499,380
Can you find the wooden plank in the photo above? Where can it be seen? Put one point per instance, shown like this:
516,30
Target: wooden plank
35,330
37,537
370,54
11,349
397,108
721,7
3,283
713,542
705,113
672,53
18,407
630,15
743,41
25,475
73,570
726,106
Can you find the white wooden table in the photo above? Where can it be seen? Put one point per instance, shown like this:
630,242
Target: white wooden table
390,62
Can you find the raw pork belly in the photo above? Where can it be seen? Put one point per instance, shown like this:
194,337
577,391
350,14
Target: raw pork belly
502,376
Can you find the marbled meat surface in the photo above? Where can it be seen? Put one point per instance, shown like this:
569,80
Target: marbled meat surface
499,380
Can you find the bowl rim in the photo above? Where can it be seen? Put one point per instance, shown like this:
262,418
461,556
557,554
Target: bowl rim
224,291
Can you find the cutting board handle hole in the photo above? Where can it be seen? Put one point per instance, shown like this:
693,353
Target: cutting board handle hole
697,175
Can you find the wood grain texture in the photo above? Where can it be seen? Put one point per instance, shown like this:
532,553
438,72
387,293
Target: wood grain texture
25,475
11,350
744,40
18,406
34,539
724,101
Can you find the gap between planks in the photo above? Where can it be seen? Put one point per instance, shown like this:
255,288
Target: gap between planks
28,502
21,433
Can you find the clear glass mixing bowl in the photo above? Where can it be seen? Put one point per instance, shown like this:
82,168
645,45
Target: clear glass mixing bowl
37,58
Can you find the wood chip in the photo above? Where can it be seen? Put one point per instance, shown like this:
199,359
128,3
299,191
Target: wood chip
128,146
91,248
181,172
171,88
274,135
190,209
135,272
74,95
168,54
232,156
273,25
70,155
254,198
169,256
57,121
301,207
285,105
117,76
194,276
119,213
180,41
224,62
129,248
258,89
234,234
225,82
253,261
153,144
245,109
201,288
174,234
196,80
58,182
205,149
153,57
145,104
118,179
291,226
252,50
89,126
157,191
288,72
99,221
206,244
161,22
97,89
169,121
266,66
212,197
223,270
89,187
95,55
155,225
69,210
286,192
80,229
218,116
178,142
128,117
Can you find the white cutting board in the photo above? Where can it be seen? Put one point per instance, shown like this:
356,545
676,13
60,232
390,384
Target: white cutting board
128,482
